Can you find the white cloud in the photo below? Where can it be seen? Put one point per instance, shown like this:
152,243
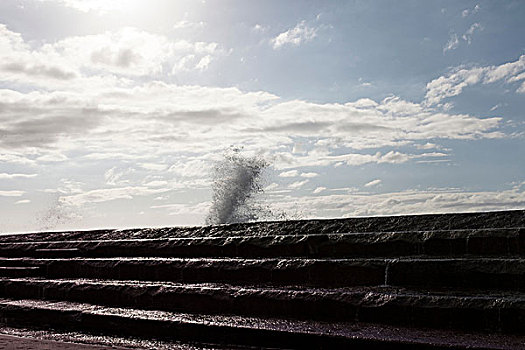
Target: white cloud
23,201
319,190
153,166
364,83
404,202
116,119
179,129
4,176
155,118
185,24
467,12
52,157
470,32
373,183
271,187
185,208
258,28
18,62
131,51
454,83
511,71
203,63
309,175
117,177
100,60
452,43
428,145
296,36
291,173
101,6
109,194
12,193
156,183
297,184
521,89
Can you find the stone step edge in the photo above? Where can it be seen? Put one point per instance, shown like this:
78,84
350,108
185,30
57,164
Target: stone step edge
106,342
490,273
466,243
386,305
482,232
247,330
475,298
505,218
403,259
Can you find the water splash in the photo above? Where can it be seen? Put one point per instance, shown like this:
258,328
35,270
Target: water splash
57,215
237,179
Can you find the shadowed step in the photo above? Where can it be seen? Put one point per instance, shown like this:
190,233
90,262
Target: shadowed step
487,242
248,331
488,273
466,310
20,271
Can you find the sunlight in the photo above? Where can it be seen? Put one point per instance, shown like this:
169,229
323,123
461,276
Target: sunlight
127,6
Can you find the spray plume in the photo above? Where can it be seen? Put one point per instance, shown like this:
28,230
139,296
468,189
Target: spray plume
236,180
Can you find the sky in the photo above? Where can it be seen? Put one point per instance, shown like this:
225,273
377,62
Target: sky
113,114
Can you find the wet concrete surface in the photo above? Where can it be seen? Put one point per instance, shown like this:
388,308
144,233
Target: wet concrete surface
361,335
31,339
10,342
486,242
420,281
476,272
445,308
484,220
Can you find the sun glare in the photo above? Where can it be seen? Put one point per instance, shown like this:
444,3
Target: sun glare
126,6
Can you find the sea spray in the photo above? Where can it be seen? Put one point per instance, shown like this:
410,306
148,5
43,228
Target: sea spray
57,215
237,179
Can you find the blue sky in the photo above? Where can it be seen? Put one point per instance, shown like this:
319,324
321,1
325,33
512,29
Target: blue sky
113,113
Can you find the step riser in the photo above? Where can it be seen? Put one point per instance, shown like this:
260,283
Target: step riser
301,272
358,307
498,274
510,242
12,316
469,221
20,272
488,274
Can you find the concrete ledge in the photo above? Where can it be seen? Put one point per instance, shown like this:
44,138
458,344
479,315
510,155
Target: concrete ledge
248,331
481,220
467,310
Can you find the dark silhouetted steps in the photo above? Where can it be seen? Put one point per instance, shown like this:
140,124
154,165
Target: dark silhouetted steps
427,281
483,273
402,223
57,252
20,271
483,242
465,310
248,331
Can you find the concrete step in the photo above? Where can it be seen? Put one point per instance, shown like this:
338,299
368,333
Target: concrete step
475,272
56,339
480,242
470,221
446,309
19,343
237,330
320,272
57,252
20,271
